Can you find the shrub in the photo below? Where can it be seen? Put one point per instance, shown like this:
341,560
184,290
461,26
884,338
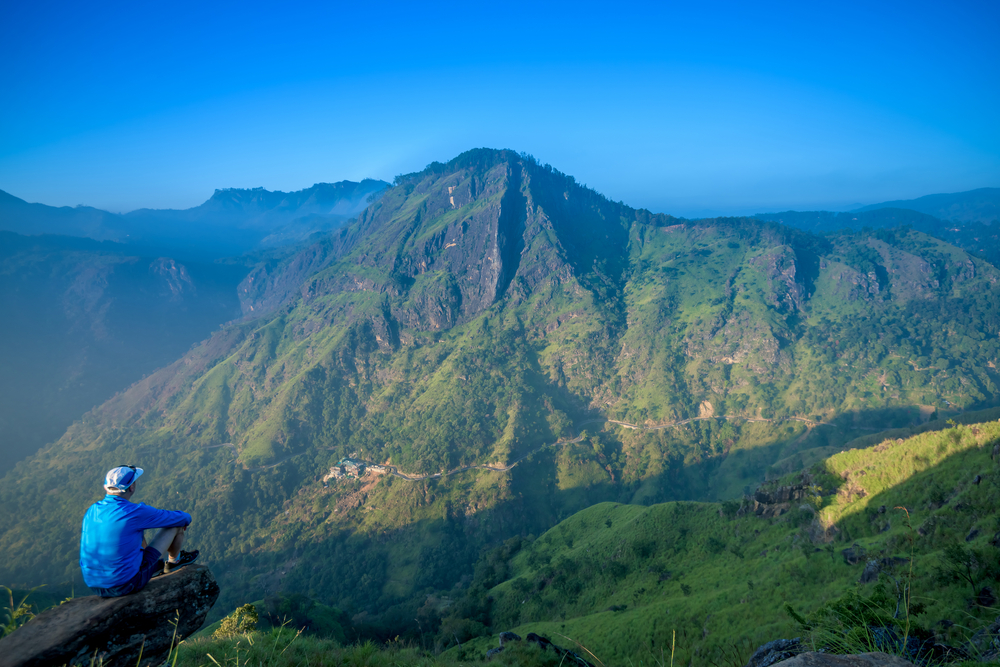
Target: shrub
240,622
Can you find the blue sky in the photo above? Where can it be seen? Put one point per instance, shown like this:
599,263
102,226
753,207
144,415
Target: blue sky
685,108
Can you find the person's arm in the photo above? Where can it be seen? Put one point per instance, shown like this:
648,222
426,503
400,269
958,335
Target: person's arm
144,517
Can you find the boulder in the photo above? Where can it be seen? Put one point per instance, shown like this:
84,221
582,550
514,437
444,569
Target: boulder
567,657
775,652
116,629
812,659
871,572
853,554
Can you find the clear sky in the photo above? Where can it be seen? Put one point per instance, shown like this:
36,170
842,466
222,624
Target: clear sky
681,107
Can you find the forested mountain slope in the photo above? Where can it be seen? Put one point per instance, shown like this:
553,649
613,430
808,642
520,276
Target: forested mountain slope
972,235
478,311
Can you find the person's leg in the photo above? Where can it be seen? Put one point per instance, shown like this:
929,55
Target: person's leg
174,549
164,540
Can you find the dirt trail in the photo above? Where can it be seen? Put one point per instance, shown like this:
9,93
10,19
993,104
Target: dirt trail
392,470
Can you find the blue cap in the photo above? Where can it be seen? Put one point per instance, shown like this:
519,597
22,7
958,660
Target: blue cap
122,477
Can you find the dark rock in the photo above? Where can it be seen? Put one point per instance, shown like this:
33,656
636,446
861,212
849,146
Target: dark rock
873,567
871,572
567,656
881,509
853,554
774,652
858,660
985,643
977,480
772,501
781,494
116,629
996,540
509,637
986,597
972,535
922,649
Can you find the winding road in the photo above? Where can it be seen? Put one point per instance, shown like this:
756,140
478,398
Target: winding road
392,470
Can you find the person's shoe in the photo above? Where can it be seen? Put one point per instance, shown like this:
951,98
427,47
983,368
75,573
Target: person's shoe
184,558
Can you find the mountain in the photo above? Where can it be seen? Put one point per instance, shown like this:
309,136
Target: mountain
822,222
982,205
85,319
17,215
979,238
509,348
233,221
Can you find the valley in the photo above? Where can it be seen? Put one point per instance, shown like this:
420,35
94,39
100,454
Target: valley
517,335
515,351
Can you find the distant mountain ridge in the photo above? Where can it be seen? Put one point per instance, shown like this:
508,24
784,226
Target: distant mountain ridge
17,215
980,205
249,204
231,222
977,233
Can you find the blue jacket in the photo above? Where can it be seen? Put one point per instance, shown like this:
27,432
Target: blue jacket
111,542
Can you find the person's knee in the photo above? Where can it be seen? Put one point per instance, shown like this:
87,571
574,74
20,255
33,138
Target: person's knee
164,539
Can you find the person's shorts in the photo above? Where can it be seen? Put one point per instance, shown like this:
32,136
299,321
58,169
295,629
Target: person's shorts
149,566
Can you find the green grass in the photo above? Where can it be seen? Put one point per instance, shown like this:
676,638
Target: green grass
601,574
284,647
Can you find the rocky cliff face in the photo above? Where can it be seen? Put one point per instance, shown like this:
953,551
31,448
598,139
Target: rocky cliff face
450,245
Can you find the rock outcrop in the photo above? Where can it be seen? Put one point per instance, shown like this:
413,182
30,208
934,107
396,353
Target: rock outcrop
812,659
774,652
772,500
116,629
566,656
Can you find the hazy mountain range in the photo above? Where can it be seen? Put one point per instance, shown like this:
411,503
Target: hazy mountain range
86,317
476,314
233,221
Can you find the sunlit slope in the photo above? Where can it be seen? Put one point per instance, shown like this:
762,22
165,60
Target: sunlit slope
622,578
479,311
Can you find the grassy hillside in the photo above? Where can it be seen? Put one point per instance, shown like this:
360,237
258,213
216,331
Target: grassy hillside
490,312
621,578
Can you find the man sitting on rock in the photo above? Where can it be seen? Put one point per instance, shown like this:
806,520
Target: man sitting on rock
114,556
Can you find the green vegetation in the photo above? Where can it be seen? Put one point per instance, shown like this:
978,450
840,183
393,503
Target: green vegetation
481,310
241,622
623,578
283,647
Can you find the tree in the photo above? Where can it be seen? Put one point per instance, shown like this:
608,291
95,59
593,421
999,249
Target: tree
968,564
